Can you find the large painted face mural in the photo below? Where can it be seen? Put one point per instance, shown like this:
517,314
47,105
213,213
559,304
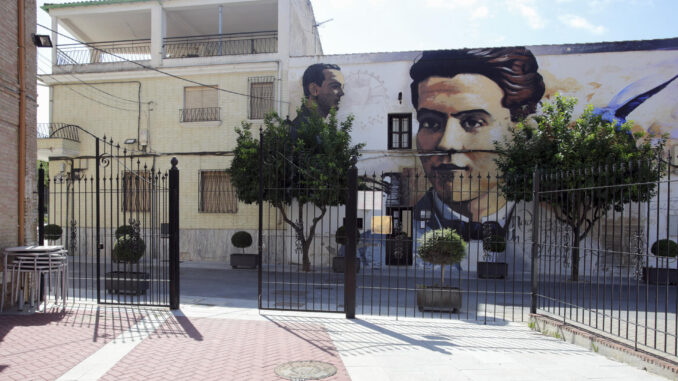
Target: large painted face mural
459,118
466,100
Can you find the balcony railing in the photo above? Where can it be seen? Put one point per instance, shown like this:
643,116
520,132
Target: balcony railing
206,114
58,130
104,52
221,45
174,47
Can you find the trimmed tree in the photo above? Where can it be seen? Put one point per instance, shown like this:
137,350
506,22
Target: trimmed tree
305,161
588,153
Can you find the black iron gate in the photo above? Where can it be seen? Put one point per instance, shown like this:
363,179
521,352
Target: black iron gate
116,213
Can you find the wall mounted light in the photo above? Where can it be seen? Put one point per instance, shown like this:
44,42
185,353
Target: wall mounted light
130,141
42,40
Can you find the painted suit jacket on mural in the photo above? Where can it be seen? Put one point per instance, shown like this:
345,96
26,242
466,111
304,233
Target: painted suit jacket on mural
431,213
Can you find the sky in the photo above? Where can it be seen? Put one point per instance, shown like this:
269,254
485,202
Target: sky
361,26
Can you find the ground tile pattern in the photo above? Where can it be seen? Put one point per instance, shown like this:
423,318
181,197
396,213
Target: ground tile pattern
44,346
223,349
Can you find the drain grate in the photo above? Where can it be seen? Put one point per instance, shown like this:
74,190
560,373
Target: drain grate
305,370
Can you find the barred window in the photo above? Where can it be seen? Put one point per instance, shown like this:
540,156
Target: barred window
399,131
217,195
201,103
137,189
261,96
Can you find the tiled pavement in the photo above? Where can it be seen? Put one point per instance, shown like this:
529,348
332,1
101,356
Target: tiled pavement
222,336
225,342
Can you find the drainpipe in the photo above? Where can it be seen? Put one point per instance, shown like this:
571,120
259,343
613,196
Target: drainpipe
22,121
220,26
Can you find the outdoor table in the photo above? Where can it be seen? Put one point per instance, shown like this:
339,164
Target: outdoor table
22,250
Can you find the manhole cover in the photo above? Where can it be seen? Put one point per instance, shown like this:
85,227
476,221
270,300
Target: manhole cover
305,370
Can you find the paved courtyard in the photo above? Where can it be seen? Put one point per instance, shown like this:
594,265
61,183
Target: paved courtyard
218,334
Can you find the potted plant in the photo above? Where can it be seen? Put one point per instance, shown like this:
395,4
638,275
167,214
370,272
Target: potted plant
490,267
242,240
665,250
440,247
52,232
338,262
127,251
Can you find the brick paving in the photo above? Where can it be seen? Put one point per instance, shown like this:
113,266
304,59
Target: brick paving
43,346
223,349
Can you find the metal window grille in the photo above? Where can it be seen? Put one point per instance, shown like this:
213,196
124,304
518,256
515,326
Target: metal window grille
262,95
201,103
136,191
399,131
217,194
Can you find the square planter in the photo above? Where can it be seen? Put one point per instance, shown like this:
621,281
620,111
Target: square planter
126,282
247,261
492,270
433,298
339,265
653,275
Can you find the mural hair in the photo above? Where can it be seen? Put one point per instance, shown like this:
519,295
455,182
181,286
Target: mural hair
514,70
314,74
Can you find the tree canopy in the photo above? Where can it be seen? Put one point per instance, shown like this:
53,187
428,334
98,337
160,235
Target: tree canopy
305,160
588,165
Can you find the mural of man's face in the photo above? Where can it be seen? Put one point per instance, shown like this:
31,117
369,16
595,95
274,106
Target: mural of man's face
330,92
461,116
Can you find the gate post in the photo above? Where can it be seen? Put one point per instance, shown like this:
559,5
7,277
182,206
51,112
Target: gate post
260,241
535,239
41,206
351,229
174,234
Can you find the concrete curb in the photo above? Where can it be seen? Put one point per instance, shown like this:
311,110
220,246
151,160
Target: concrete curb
604,346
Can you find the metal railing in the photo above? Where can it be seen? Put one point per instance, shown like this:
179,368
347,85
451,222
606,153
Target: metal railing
221,45
206,114
104,52
58,130
174,47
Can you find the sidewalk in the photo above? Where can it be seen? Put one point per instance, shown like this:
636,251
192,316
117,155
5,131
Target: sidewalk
220,335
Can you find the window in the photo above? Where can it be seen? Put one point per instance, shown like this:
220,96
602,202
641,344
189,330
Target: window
399,131
200,104
137,189
261,96
217,195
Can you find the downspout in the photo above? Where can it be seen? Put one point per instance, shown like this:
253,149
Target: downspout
22,121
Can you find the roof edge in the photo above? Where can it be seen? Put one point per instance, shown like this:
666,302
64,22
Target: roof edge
46,7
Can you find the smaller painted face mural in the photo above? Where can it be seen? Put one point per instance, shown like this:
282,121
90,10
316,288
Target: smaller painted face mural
324,85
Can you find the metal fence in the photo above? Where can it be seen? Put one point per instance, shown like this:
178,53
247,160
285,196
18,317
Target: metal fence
521,256
58,130
616,271
114,216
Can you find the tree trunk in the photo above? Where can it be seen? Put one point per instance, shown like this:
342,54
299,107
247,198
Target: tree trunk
575,255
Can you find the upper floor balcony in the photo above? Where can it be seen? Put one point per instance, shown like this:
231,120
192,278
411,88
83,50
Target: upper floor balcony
173,47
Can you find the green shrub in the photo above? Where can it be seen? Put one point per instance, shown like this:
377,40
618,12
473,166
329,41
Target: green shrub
241,240
442,247
124,230
665,248
128,249
341,238
494,243
53,232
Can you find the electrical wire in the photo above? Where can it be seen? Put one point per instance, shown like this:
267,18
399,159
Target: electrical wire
161,71
94,87
69,87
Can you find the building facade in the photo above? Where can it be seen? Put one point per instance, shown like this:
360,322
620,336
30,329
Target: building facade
18,205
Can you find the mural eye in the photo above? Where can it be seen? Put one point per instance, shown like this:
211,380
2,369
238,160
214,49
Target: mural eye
429,124
472,123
